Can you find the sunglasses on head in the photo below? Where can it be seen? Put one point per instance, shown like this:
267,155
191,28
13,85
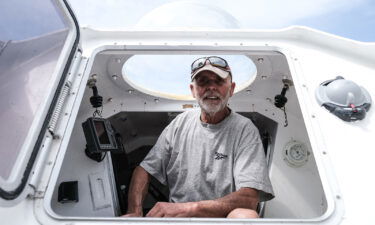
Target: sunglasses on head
213,60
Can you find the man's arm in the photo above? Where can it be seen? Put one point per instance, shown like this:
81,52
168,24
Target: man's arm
243,198
221,207
137,192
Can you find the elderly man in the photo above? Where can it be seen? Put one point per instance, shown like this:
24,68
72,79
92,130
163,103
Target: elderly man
212,159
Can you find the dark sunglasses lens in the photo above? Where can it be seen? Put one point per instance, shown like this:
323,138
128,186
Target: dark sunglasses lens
218,61
203,81
199,63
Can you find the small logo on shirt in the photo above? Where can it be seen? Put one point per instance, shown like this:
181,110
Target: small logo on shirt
219,156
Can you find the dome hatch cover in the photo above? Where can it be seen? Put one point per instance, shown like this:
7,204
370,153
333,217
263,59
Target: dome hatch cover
344,98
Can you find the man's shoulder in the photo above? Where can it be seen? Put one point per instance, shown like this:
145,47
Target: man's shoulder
191,113
241,123
238,118
186,116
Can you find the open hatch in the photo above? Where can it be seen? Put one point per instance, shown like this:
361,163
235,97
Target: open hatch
139,115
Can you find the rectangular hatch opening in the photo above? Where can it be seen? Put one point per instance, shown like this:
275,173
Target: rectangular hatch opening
139,117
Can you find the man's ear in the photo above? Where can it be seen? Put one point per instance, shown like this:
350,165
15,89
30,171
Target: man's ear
192,90
232,86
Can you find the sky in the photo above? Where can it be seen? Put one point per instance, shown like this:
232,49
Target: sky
354,19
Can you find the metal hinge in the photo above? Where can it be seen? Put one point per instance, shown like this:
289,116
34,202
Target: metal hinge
64,93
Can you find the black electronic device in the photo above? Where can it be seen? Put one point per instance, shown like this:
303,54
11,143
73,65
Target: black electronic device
100,136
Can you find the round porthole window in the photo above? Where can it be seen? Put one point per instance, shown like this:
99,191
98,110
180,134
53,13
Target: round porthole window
168,76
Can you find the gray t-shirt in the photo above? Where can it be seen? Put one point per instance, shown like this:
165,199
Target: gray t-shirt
200,161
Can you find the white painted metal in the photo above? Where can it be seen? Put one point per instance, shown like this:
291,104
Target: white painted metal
138,97
335,204
323,191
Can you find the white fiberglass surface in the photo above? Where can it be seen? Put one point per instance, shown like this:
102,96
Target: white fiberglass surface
164,75
31,39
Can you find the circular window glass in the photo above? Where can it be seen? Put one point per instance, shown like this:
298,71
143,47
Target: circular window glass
168,76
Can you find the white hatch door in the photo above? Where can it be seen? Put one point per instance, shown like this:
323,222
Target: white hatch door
38,40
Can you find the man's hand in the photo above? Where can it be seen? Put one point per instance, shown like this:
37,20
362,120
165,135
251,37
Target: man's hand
139,214
166,209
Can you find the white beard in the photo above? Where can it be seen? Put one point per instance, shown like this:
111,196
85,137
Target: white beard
212,109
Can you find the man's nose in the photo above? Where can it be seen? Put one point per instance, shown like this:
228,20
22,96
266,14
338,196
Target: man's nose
211,85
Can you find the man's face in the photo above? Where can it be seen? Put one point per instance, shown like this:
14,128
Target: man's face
211,91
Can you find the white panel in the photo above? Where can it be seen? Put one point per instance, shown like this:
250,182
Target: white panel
99,194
